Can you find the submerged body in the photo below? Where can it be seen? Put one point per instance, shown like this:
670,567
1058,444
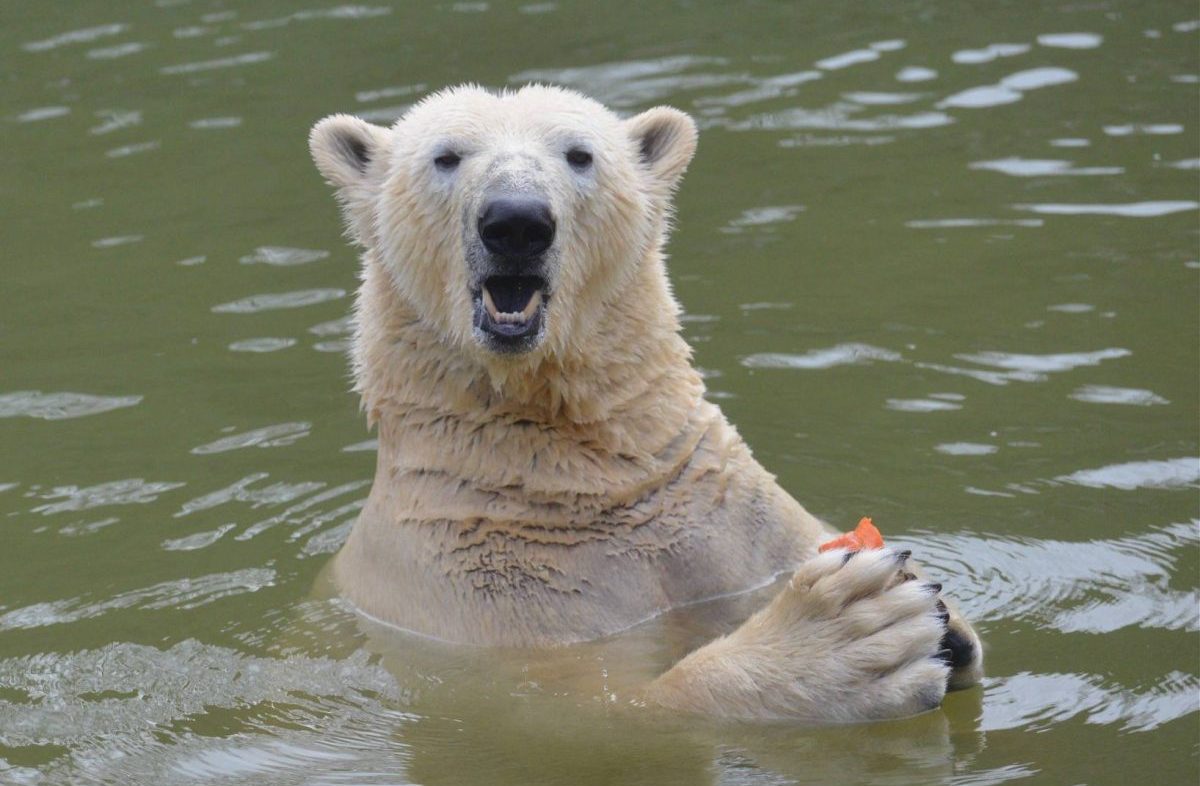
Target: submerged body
549,470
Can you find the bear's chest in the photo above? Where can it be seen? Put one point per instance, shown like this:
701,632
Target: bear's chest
494,567
496,582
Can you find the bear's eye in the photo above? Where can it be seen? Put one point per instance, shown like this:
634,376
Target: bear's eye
580,159
447,161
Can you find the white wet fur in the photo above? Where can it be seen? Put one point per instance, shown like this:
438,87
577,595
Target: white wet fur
571,491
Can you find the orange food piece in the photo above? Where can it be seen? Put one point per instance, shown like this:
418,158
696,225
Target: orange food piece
864,536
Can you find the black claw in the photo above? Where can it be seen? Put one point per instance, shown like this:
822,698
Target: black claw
847,556
934,587
908,576
945,656
944,617
960,648
940,606
902,556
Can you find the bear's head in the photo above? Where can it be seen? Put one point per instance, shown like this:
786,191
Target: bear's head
509,223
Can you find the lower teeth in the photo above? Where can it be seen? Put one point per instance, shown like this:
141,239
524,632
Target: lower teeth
512,317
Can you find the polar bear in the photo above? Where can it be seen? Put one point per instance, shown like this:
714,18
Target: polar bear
549,470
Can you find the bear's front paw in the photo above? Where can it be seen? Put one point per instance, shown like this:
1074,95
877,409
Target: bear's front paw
871,634
853,637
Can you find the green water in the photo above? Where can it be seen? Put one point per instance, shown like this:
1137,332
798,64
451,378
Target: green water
943,282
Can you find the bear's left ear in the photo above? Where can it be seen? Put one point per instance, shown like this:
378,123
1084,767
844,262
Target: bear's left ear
349,152
666,142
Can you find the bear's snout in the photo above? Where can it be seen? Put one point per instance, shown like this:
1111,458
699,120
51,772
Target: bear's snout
516,228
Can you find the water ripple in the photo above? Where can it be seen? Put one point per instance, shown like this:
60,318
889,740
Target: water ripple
1041,167
335,327
1016,367
113,52
60,406
1095,586
847,59
177,594
303,514
43,113
197,540
82,36
1166,474
988,53
1010,89
191,31
1103,394
366,96
279,435
764,89
629,83
1128,210
839,117
1146,129
762,216
998,378
1044,364
264,344
215,123
117,240
272,301
960,223
336,12
921,405
125,151
1036,78
221,62
1040,701
840,355
877,98
129,713
282,256
965,448
115,120
78,528
1071,40
133,491
149,688
915,74
240,491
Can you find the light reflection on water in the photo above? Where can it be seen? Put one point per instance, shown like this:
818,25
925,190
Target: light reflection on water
884,215
1103,586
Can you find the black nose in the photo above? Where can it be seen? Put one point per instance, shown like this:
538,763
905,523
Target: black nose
516,227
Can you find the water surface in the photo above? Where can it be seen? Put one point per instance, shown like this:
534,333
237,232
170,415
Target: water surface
939,264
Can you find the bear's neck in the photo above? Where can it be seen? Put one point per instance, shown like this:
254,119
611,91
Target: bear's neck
616,422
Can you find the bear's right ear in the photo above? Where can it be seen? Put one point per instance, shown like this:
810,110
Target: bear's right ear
344,148
349,152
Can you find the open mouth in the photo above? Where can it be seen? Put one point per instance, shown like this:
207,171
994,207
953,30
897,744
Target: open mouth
510,308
